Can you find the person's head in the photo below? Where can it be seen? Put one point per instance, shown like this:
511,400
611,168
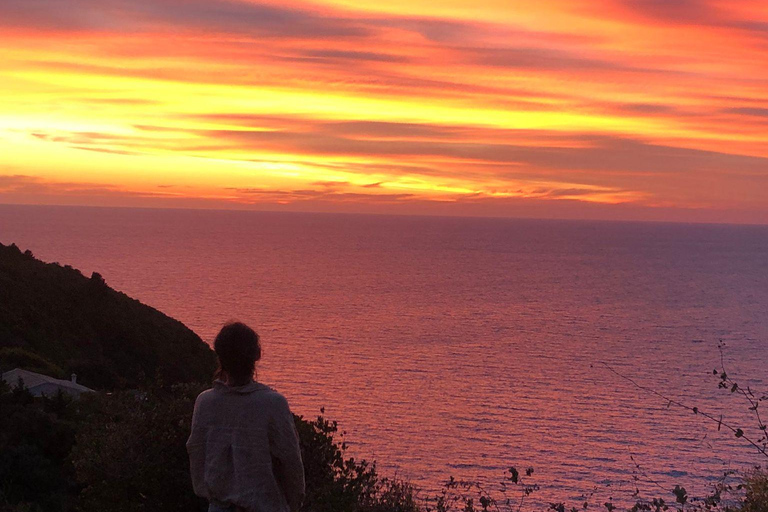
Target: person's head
238,348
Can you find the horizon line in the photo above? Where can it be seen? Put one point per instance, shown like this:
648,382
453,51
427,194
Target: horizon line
388,214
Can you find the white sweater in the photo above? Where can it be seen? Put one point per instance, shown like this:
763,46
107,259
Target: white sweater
244,450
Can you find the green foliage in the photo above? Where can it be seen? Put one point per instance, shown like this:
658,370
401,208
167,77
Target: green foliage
130,454
36,436
681,495
15,357
756,495
469,496
54,318
336,483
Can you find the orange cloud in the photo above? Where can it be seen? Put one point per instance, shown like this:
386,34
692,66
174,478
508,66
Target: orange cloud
657,105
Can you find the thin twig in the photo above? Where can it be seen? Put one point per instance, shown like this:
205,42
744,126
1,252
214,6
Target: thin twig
737,431
645,474
745,393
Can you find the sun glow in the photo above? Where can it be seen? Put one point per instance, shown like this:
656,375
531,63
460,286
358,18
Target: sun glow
334,103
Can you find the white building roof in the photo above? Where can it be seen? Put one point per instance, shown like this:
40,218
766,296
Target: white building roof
33,380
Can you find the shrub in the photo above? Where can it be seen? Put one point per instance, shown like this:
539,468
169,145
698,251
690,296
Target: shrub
36,436
131,456
336,483
15,357
756,491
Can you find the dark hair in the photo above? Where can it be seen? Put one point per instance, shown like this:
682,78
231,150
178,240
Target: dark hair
238,348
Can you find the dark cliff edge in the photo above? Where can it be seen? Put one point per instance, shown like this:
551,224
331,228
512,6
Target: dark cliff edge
57,321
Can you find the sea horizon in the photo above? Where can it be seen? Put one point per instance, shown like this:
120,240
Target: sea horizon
390,214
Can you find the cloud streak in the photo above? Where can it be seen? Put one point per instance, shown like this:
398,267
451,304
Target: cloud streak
617,102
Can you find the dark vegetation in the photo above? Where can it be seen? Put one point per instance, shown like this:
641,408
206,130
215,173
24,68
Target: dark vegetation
52,319
125,450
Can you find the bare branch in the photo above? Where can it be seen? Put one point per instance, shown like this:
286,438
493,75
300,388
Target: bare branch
737,431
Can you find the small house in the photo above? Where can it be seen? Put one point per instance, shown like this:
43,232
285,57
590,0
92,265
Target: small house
39,384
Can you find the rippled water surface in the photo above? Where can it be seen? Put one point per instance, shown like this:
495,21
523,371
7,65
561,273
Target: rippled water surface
449,346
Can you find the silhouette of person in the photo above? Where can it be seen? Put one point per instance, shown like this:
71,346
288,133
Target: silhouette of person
243,448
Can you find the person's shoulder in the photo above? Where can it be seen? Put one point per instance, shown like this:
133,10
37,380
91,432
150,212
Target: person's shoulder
272,394
205,396
274,397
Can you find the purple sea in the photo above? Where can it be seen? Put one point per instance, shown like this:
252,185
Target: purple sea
463,346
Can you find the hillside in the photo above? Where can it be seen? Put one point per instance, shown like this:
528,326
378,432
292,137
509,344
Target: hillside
54,319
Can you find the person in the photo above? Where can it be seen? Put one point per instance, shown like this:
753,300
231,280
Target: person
243,448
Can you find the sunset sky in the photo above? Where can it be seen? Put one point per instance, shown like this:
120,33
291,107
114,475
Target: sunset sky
626,109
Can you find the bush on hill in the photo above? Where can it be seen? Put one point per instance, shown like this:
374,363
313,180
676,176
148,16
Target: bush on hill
72,323
756,491
36,437
16,357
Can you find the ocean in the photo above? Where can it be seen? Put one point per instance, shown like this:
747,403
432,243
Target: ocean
463,346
